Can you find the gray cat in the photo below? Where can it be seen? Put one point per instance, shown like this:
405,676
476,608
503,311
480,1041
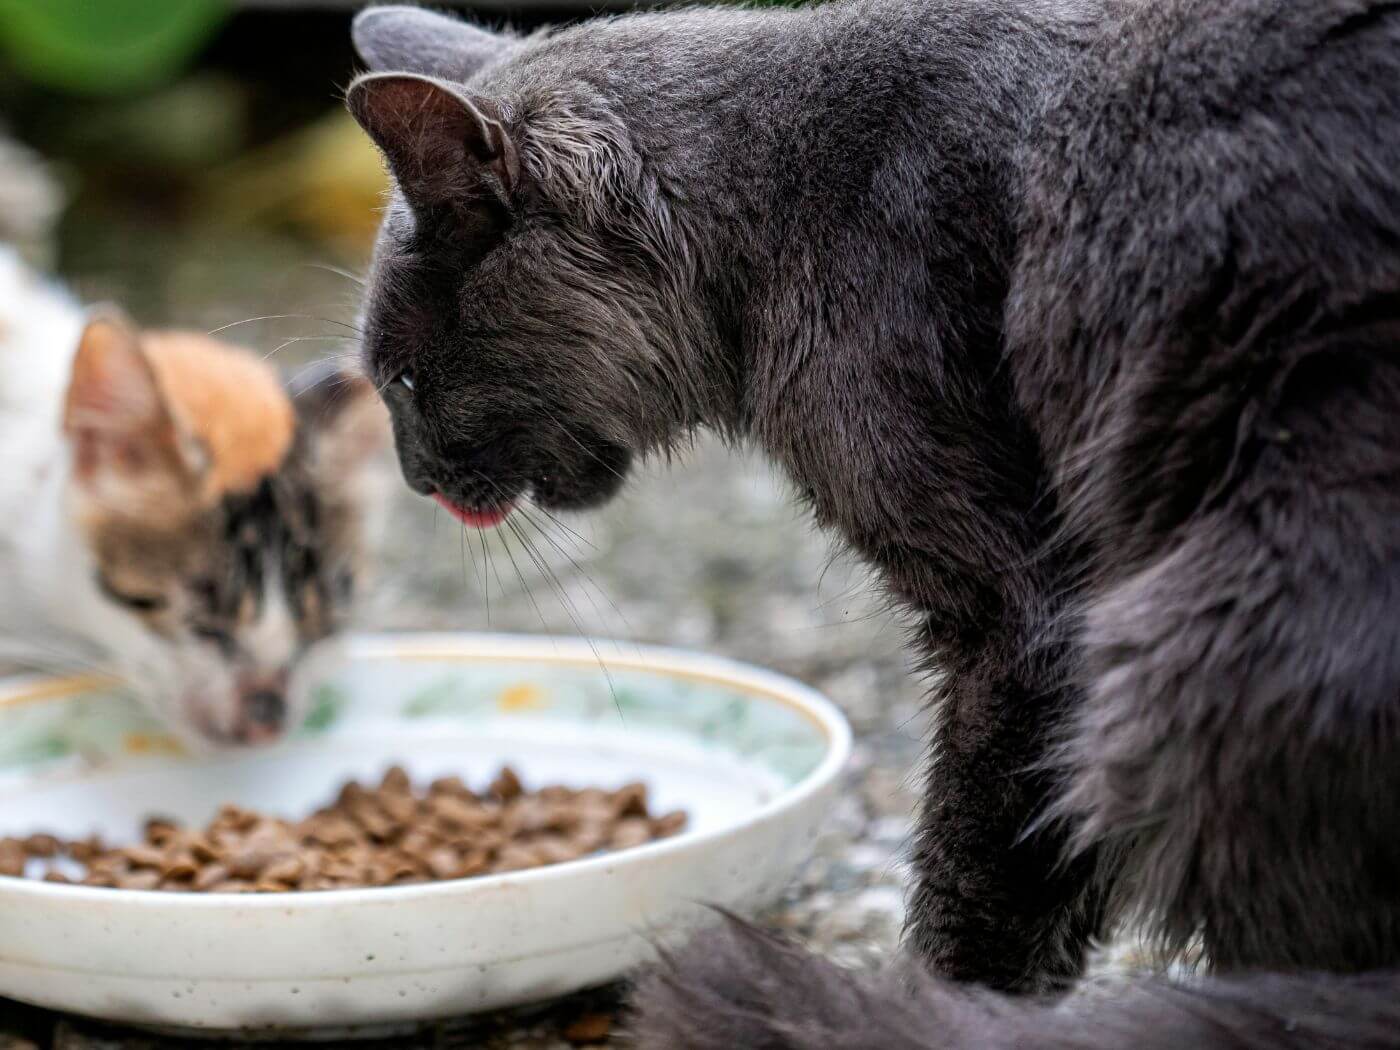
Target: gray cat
1081,323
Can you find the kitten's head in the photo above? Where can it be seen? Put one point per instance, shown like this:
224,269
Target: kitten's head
525,318
224,520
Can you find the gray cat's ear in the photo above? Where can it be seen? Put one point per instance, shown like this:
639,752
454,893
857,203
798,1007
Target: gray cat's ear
410,40
442,146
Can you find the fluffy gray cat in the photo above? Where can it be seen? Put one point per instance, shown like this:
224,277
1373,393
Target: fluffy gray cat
1081,323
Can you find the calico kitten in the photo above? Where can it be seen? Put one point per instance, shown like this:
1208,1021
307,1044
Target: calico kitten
172,511
1080,321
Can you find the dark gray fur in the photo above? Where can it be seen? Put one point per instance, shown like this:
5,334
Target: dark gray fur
1081,323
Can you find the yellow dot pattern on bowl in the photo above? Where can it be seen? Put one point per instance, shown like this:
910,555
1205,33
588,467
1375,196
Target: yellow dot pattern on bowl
521,697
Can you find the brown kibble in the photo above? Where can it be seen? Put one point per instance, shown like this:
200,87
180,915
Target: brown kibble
453,786
444,863
140,880
351,793
396,781
633,831
43,846
517,857
555,849
668,824
474,863
232,886
179,867
332,831
144,856
110,864
86,849
590,1028
458,813
288,870
507,785
12,858
630,800
373,820
210,877
387,835
401,809
160,830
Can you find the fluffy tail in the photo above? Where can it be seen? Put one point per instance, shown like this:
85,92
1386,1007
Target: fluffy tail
739,988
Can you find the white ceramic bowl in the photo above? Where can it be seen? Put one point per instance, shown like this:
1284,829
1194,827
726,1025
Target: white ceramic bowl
751,755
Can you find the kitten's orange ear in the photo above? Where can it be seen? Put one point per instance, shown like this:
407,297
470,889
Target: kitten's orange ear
113,387
126,443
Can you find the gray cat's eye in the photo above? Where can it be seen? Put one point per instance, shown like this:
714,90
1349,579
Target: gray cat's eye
406,378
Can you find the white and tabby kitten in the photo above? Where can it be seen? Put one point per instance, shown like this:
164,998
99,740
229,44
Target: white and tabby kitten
171,511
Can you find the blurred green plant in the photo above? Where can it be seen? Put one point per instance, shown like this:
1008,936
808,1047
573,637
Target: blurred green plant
105,46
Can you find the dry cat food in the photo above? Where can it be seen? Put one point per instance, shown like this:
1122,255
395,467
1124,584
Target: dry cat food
387,835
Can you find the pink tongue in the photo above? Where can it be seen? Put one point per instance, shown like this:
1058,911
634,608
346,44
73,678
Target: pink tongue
477,519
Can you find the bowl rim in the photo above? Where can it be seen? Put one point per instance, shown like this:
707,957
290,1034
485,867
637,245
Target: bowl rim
473,647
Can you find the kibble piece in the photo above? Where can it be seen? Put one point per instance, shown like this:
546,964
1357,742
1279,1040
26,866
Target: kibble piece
507,785
459,813
402,809
85,849
373,820
210,877
179,866
140,880
12,857
144,856
288,870
159,830
555,849
630,800
668,824
396,781
43,846
450,786
633,831
444,863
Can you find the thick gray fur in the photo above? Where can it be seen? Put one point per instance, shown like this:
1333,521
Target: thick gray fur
1080,322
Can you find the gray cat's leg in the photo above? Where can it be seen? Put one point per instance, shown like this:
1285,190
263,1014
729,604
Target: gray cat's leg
993,900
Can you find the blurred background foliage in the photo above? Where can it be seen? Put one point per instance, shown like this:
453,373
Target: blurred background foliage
186,158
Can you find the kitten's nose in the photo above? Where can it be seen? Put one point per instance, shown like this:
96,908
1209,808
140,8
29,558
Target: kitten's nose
266,709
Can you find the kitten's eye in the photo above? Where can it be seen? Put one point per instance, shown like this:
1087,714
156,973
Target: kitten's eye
406,380
217,635
141,603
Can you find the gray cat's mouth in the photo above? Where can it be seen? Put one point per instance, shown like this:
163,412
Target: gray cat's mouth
478,518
